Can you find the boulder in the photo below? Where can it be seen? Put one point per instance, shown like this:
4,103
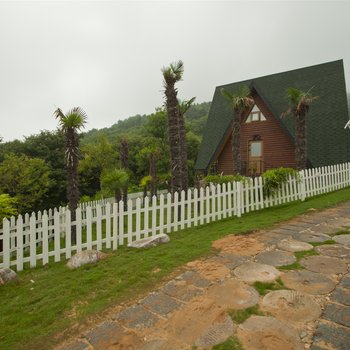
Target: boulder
7,275
85,257
150,241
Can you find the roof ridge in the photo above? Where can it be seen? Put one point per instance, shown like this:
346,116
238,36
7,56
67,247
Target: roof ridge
284,72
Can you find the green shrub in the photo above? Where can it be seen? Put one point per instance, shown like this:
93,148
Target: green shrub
274,178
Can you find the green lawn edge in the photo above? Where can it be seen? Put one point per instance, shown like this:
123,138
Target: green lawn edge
52,298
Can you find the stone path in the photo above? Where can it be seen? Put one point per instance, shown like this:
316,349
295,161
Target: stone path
310,311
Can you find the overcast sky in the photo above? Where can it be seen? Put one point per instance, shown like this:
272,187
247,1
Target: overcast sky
106,57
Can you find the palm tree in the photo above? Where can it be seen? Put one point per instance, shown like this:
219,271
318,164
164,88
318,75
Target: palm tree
240,102
299,105
114,181
184,106
172,75
124,159
70,123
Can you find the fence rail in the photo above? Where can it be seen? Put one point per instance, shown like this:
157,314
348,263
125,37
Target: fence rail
47,237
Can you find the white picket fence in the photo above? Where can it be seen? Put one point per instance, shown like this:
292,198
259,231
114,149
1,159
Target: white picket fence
46,237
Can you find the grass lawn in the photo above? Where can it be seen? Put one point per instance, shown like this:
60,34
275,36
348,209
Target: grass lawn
52,298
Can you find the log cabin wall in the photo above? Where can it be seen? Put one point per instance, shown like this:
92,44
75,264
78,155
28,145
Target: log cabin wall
278,149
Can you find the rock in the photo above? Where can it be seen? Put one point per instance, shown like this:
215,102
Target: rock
267,333
324,264
7,275
342,239
335,250
85,257
291,306
251,272
150,241
292,245
275,258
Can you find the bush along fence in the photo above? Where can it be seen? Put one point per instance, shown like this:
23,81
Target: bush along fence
42,238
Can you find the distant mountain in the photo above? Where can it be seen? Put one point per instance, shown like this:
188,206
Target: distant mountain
195,117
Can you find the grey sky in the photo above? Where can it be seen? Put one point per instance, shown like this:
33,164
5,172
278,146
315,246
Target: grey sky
106,56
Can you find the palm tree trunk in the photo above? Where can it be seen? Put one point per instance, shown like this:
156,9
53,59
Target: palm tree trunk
72,161
124,158
183,146
236,142
175,143
300,141
153,173
118,195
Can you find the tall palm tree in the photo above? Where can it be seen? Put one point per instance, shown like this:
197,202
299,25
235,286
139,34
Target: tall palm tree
173,74
240,101
124,159
70,123
299,105
184,106
114,181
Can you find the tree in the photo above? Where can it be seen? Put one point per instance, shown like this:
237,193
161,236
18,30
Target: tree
299,105
184,106
70,123
113,181
172,75
27,180
240,101
124,160
7,207
97,157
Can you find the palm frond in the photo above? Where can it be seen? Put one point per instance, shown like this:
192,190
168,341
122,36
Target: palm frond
184,106
173,73
74,119
239,100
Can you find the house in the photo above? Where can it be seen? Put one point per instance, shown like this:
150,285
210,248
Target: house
267,138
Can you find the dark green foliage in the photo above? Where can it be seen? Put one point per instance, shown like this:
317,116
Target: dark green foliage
274,178
26,179
7,207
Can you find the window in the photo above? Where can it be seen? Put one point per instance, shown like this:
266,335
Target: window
255,149
255,115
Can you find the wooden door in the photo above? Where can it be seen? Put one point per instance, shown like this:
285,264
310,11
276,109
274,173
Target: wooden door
255,158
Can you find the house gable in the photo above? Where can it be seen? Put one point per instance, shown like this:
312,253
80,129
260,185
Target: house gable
327,140
277,147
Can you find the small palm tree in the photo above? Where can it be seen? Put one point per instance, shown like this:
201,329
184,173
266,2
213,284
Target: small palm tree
70,123
299,105
173,74
114,181
240,102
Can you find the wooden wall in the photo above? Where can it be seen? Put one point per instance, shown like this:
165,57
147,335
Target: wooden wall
278,149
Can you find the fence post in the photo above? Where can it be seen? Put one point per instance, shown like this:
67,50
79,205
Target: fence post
239,194
32,225
19,235
302,186
6,242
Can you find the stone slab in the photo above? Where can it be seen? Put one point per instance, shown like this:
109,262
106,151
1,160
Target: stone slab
232,261
275,258
181,290
252,272
160,303
292,245
311,237
331,336
324,264
328,228
193,277
345,282
104,335
266,333
308,282
337,313
136,317
341,295
291,306
217,333
233,294
342,239
77,345
334,250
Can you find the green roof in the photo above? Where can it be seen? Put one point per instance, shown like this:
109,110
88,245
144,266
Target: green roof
327,140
